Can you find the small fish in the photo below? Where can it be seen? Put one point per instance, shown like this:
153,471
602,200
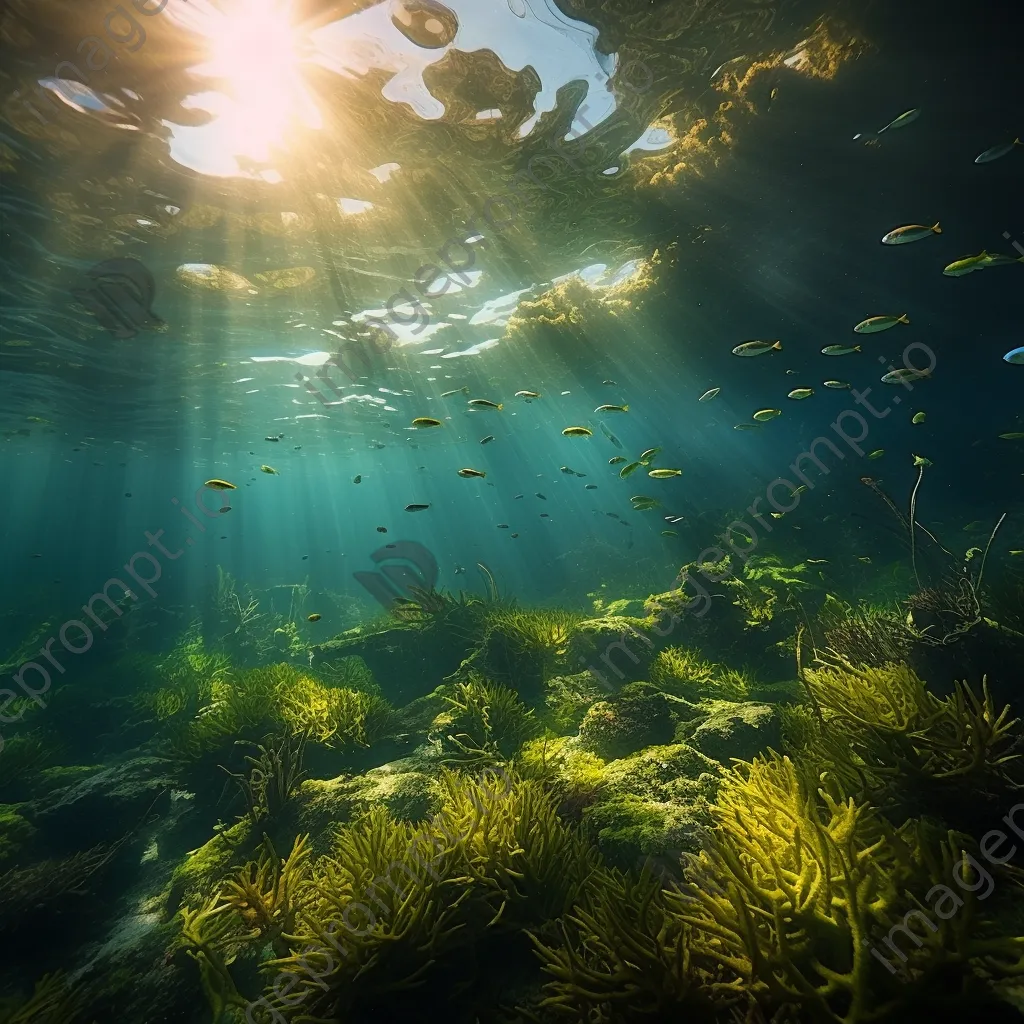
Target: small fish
746,426
612,515
271,439
220,485
224,509
904,373
483,403
996,259
1016,551
664,474
669,533
577,432
1014,435
840,350
472,473
877,453
798,393
425,421
527,394
709,394
513,535
612,408
874,324
918,417
674,519
610,382
1015,356
629,470
920,460
314,617
567,471
996,152
764,415
487,440
757,348
591,487
269,469
611,437
799,490
541,496
616,459
517,497
776,515
457,391
836,384
791,373
544,515
908,117
866,559
648,456
816,561
965,265
416,508
358,479
910,233
382,529
502,526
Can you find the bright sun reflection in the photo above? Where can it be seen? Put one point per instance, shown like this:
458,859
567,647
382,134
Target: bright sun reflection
253,57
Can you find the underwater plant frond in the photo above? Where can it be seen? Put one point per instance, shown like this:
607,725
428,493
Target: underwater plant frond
275,777
53,1001
484,722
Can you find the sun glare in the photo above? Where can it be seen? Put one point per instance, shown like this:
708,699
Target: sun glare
253,57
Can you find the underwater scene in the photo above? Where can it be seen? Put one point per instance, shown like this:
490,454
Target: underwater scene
513,513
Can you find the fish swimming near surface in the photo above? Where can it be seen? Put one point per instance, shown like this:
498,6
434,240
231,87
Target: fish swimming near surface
648,456
709,394
800,393
527,394
616,459
425,421
415,507
629,470
220,485
908,117
764,415
357,479
612,408
840,350
663,474
757,348
270,470
1015,356
487,440
874,324
836,384
577,432
910,233
483,403
314,617
457,391
472,473
918,417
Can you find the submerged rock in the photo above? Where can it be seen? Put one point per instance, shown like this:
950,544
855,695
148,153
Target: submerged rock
735,731
616,649
627,723
105,806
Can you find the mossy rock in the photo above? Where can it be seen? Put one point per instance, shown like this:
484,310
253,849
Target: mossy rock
617,648
676,771
104,806
569,697
734,731
198,874
408,795
625,724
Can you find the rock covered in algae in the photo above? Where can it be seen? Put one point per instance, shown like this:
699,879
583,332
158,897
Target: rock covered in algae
735,731
104,806
615,648
627,723
407,793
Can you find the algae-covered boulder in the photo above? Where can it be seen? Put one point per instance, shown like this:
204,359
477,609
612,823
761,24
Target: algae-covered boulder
105,806
616,648
735,731
653,804
406,792
627,723
200,871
